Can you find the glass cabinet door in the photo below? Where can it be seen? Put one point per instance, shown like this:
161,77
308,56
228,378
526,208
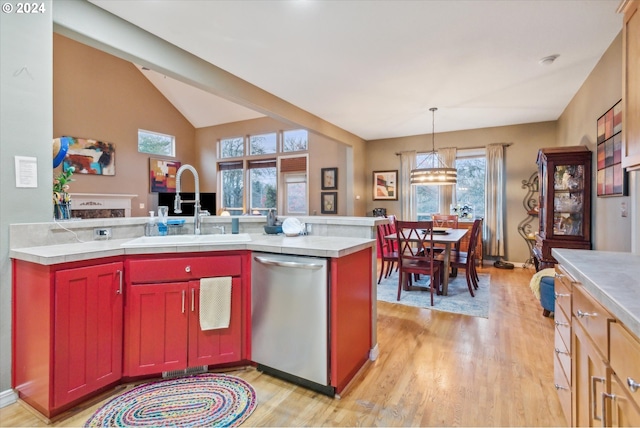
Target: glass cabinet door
568,191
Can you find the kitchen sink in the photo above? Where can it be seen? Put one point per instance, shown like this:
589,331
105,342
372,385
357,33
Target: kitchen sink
186,240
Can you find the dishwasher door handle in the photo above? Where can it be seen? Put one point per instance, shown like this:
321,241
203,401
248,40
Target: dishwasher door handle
296,265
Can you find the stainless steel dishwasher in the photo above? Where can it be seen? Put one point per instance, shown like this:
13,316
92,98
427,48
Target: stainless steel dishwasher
290,319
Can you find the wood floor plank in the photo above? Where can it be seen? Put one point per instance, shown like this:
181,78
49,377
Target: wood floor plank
434,369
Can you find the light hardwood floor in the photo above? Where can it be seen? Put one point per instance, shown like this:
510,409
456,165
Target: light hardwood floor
434,369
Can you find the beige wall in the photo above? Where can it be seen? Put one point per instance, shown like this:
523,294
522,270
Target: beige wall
323,153
520,161
577,125
101,97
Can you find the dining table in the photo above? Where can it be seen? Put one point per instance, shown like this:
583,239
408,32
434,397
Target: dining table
449,238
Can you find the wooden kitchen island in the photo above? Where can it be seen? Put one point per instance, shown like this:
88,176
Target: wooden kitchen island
82,312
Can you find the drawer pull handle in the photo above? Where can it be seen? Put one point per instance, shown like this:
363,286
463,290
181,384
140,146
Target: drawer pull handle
594,401
562,295
564,324
561,352
586,314
559,387
119,282
187,269
633,385
604,407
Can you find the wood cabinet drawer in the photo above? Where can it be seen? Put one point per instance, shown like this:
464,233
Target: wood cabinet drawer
593,317
563,326
624,359
563,386
182,268
563,288
563,354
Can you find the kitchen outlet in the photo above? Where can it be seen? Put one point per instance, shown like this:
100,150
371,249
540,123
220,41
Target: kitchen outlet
102,233
141,206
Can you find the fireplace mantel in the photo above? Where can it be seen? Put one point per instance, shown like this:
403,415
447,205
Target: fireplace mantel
102,201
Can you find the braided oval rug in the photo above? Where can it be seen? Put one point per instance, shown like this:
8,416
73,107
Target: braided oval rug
210,399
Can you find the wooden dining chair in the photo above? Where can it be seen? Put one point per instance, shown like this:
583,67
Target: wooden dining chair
416,256
391,229
449,221
467,259
388,254
445,220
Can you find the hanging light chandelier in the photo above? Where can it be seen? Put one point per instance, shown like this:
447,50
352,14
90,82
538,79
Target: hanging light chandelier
439,174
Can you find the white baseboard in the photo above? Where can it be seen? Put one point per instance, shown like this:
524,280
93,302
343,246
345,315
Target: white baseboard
8,397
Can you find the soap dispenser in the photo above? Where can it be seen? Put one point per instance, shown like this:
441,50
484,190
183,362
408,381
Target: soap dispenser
148,230
271,217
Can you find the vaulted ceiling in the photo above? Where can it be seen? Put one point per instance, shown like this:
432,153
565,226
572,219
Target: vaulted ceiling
374,68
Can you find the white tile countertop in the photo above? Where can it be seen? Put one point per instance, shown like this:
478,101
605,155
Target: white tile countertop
612,278
318,246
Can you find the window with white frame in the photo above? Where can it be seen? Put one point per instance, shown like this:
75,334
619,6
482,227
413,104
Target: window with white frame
232,147
232,186
471,164
259,169
295,140
295,193
155,143
263,144
263,185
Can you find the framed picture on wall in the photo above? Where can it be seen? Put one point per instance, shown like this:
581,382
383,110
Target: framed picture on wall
162,175
90,156
329,178
385,185
329,202
611,178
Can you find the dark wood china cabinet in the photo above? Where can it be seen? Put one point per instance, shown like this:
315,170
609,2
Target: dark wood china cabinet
565,201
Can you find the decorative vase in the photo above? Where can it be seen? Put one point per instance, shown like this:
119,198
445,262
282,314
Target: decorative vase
62,211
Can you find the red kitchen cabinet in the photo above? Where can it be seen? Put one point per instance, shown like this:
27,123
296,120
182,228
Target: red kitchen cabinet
156,327
68,327
351,309
162,317
215,346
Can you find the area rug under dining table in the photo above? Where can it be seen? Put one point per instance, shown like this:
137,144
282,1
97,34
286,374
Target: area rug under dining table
458,300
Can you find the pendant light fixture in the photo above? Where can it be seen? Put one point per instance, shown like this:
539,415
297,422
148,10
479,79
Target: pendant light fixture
439,174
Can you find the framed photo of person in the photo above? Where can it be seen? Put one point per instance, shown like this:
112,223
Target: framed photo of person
329,178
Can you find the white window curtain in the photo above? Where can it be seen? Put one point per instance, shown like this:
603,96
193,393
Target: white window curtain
495,201
408,209
447,193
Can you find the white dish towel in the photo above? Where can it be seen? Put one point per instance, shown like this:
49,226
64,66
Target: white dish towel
215,303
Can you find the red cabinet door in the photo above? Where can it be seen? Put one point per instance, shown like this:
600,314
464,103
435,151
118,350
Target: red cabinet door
220,345
156,338
88,330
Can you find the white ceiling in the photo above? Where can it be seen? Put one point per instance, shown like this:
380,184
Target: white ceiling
375,67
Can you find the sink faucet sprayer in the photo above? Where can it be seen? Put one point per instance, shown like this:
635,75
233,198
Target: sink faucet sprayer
177,203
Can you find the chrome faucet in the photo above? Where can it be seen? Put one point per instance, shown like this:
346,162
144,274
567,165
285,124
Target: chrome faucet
177,202
220,228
